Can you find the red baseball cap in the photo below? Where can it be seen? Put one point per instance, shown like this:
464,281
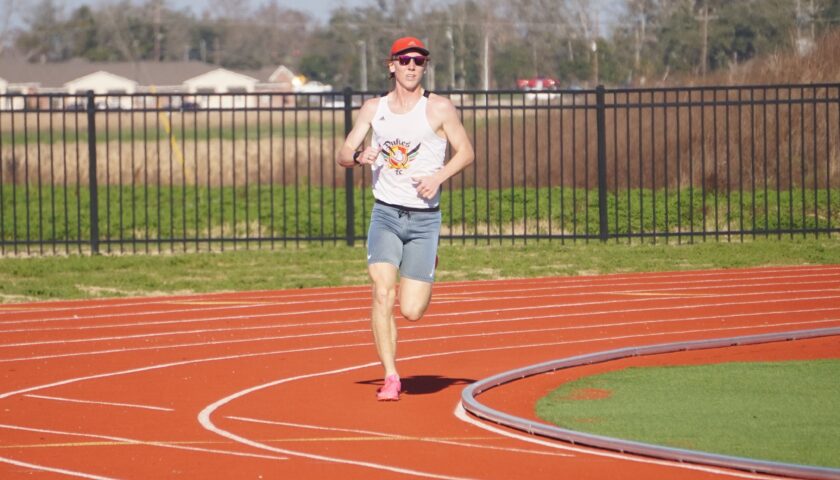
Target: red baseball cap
407,44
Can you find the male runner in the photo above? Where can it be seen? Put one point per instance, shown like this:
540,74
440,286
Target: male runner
411,128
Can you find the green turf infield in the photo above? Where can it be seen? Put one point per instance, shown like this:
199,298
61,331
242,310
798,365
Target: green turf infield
777,411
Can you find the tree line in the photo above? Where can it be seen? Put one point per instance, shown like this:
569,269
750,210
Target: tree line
475,43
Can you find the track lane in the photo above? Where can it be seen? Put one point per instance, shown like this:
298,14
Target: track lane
186,353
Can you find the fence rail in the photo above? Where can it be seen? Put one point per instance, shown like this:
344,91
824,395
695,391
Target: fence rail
139,173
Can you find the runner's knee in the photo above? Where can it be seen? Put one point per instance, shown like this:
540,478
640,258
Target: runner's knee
384,294
412,313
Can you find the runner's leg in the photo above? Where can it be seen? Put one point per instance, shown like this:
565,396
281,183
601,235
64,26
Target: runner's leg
384,278
414,298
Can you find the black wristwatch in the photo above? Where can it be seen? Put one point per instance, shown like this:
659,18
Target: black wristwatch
356,157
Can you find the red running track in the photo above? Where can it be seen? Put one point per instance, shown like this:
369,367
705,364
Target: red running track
280,384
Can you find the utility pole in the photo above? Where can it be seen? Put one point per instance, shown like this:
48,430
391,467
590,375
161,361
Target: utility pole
640,38
704,19
486,62
158,34
363,65
430,71
798,22
804,45
451,58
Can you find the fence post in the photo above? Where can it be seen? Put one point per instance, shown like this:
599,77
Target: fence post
602,162
348,172
92,183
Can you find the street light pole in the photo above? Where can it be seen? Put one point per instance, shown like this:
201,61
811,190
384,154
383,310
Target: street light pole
595,55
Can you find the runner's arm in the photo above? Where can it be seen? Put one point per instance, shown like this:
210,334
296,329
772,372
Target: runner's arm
463,154
357,135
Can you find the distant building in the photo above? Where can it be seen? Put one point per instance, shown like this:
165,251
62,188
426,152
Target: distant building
218,81
103,83
192,84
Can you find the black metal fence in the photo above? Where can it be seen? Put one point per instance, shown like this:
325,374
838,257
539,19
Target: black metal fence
175,172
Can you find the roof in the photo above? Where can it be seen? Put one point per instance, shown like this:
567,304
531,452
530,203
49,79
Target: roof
56,74
154,76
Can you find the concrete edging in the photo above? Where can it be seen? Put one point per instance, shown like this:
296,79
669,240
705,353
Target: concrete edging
476,408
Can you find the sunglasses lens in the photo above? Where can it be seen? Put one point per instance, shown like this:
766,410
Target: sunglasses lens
406,59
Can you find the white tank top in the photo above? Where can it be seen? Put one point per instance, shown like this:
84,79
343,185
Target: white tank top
408,147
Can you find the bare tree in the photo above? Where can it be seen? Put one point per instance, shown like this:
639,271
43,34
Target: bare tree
7,11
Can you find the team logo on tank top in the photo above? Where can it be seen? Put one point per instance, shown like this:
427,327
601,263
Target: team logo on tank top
398,156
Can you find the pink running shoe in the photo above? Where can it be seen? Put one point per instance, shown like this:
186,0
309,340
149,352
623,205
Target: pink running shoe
391,390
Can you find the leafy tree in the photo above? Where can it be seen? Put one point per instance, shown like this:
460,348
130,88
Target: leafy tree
44,38
317,67
82,34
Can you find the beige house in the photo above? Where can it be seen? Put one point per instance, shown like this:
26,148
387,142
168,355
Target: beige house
104,83
221,81
123,84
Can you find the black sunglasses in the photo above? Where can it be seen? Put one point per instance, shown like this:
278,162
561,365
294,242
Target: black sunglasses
404,60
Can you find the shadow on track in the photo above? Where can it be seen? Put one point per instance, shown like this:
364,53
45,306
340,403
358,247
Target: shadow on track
423,384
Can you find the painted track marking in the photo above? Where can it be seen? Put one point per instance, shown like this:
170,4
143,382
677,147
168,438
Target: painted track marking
113,404
507,334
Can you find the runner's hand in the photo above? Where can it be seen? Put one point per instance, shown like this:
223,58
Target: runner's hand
427,187
368,156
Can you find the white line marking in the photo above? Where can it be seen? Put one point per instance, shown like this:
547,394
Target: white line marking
446,315
319,348
609,288
232,357
161,366
61,471
395,436
204,420
518,319
205,414
131,441
73,400
461,323
462,415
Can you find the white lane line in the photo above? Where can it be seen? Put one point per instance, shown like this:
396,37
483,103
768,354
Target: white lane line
396,436
113,404
450,325
621,301
204,417
132,441
673,275
161,366
204,420
44,468
774,281
435,325
462,415
237,357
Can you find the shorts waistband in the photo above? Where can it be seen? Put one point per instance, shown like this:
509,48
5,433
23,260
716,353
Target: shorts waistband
409,209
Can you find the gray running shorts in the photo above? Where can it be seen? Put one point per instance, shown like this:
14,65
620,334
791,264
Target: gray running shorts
405,238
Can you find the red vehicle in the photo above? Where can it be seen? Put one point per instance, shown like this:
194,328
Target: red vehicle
537,83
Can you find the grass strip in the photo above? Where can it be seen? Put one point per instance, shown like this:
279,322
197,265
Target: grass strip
776,411
305,265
